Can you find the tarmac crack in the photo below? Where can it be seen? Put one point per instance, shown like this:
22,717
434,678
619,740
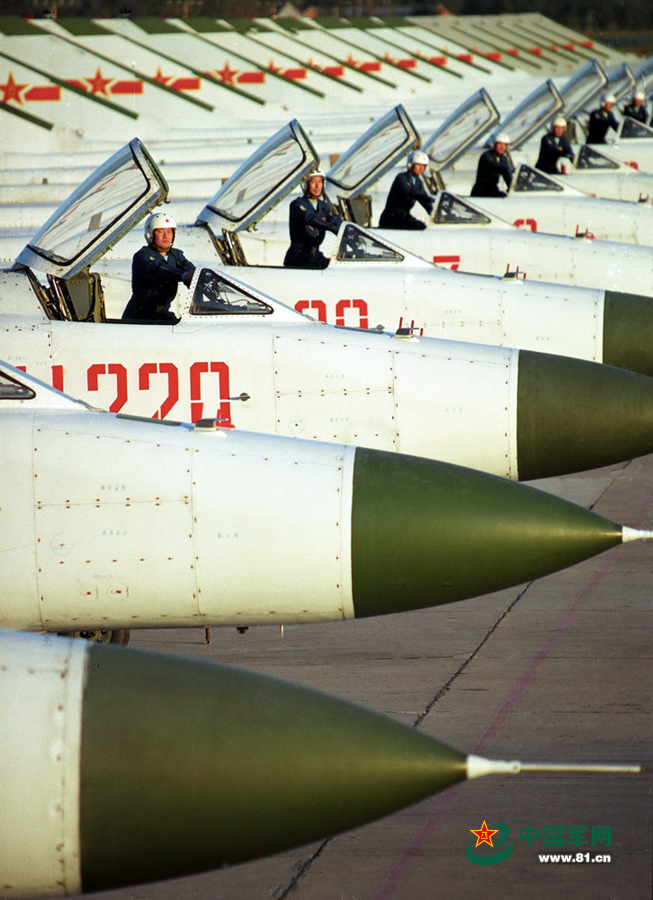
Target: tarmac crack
443,690
303,868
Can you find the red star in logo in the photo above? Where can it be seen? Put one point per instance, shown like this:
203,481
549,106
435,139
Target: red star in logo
351,61
388,58
484,834
98,84
273,68
11,90
226,74
160,77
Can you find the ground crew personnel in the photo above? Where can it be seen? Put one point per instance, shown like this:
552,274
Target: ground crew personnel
636,109
310,218
492,166
407,189
600,120
553,147
157,270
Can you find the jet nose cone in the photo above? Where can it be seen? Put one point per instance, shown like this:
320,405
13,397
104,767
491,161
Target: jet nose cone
574,415
426,533
226,765
628,332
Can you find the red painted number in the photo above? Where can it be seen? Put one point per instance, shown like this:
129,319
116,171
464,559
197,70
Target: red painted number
453,262
318,305
360,305
196,403
120,374
168,369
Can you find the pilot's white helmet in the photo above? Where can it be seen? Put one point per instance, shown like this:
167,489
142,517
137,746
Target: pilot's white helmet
608,98
501,138
417,158
560,121
639,95
314,173
158,220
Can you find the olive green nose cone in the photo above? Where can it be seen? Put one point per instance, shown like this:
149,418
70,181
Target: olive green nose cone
188,766
628,332
426,533
574,415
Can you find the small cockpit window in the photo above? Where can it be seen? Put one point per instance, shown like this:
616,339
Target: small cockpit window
451,210
531,180
214,295
10,389
362,247
588,158
632,128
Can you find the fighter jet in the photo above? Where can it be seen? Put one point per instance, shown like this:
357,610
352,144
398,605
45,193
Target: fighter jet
111,522
464,237
229,767
239,355
540,202
591,170
372,281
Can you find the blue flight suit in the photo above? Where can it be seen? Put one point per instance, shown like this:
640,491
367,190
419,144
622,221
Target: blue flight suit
600,121
491,167
407,189
308,224
552,149
155,279
637,112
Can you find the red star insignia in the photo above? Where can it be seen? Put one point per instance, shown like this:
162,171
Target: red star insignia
351,61
484,834
273,68
11,90
388,58
98,84
226,74
160,77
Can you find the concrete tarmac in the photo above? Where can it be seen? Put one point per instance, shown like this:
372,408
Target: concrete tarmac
555,670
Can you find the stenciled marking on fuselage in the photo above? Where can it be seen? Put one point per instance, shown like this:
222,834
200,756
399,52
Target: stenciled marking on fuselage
319,307
147,378
526,223
450,262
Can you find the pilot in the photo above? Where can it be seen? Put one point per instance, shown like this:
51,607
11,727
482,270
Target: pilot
157,270
311,217
407,189
600,120
554,147
492,166
636,109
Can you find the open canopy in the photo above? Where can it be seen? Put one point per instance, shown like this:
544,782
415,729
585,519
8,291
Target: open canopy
530,115
97,214
461,130
261,181
373,153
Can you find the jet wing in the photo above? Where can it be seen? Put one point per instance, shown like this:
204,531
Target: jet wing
373,153
97,214
461,130
261,181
